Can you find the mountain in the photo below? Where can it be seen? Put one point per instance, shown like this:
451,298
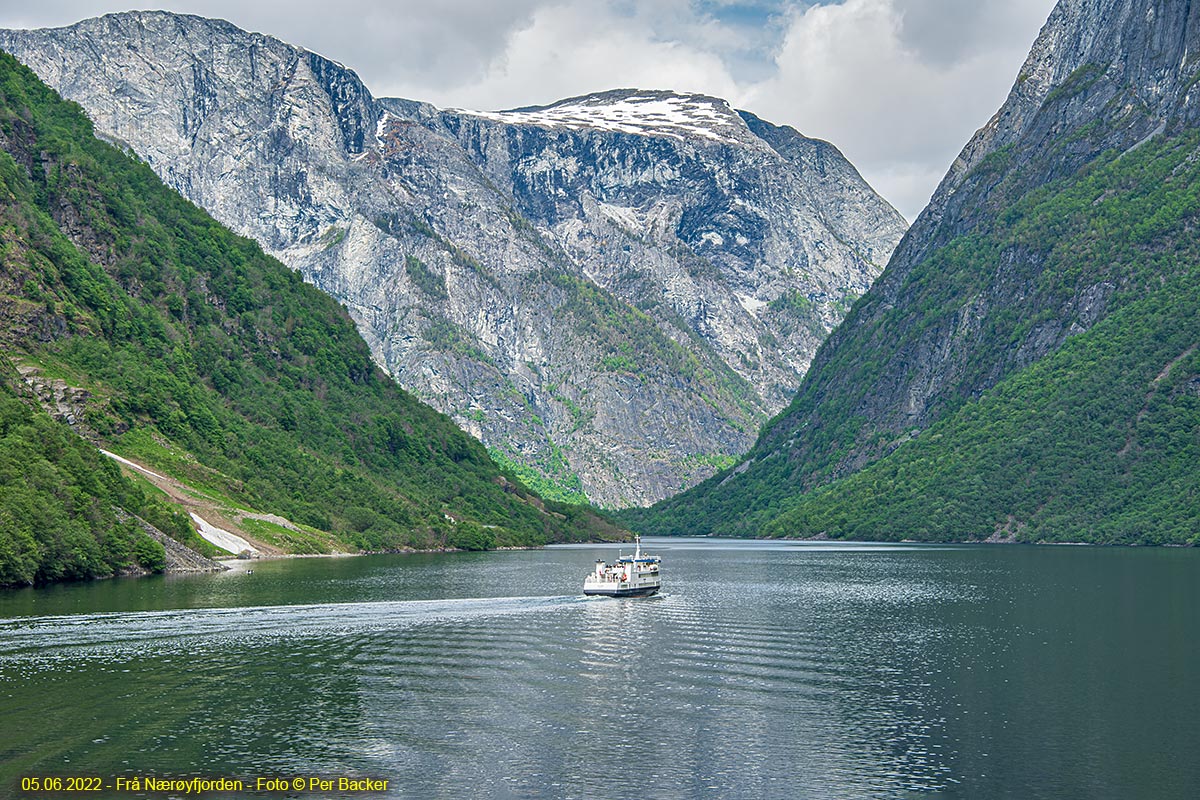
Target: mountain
612,292
142,325
1026,367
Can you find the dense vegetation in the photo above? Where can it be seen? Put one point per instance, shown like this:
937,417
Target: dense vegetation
1097,442
213,362
58,503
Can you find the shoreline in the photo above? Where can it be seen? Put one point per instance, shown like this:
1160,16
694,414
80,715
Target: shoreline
988,541
233,559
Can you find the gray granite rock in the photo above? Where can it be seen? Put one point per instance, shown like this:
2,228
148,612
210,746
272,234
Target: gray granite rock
614,290
1103,77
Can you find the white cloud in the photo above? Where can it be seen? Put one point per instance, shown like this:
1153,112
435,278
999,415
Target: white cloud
575,48
898,85
444,43
899,104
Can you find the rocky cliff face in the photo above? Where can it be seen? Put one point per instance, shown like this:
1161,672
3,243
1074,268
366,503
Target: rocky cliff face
1103,76
975,292
612,291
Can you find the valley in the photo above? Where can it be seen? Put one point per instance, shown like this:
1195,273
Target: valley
611,292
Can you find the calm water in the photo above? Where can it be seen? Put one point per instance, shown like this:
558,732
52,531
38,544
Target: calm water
767,670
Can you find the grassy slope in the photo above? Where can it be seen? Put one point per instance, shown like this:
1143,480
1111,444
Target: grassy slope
192,341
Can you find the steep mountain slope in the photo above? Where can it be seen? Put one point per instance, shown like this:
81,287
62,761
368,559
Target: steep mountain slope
66,512
1034,332
612,291
184,345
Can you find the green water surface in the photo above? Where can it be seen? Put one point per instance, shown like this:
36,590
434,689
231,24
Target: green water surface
765,670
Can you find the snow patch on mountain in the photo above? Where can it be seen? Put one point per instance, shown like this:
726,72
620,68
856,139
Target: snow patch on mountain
640,113
381,125
562,280
752,304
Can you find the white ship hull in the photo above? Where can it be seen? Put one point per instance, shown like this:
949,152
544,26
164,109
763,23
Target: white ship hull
616,590
631,576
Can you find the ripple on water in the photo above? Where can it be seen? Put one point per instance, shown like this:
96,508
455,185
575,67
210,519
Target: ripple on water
764,672
56,638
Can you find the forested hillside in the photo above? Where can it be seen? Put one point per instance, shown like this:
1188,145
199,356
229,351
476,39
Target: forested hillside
612,292
1099,441
209,360
1025,368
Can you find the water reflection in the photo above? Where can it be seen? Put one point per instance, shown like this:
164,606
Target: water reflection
763,670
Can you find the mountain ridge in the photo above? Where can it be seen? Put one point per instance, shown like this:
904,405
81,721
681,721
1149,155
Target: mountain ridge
1011,262
144,325
611,311
646,112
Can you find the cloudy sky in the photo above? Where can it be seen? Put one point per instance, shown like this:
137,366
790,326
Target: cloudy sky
898,85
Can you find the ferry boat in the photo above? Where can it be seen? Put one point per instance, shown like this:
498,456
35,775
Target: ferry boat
630,576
